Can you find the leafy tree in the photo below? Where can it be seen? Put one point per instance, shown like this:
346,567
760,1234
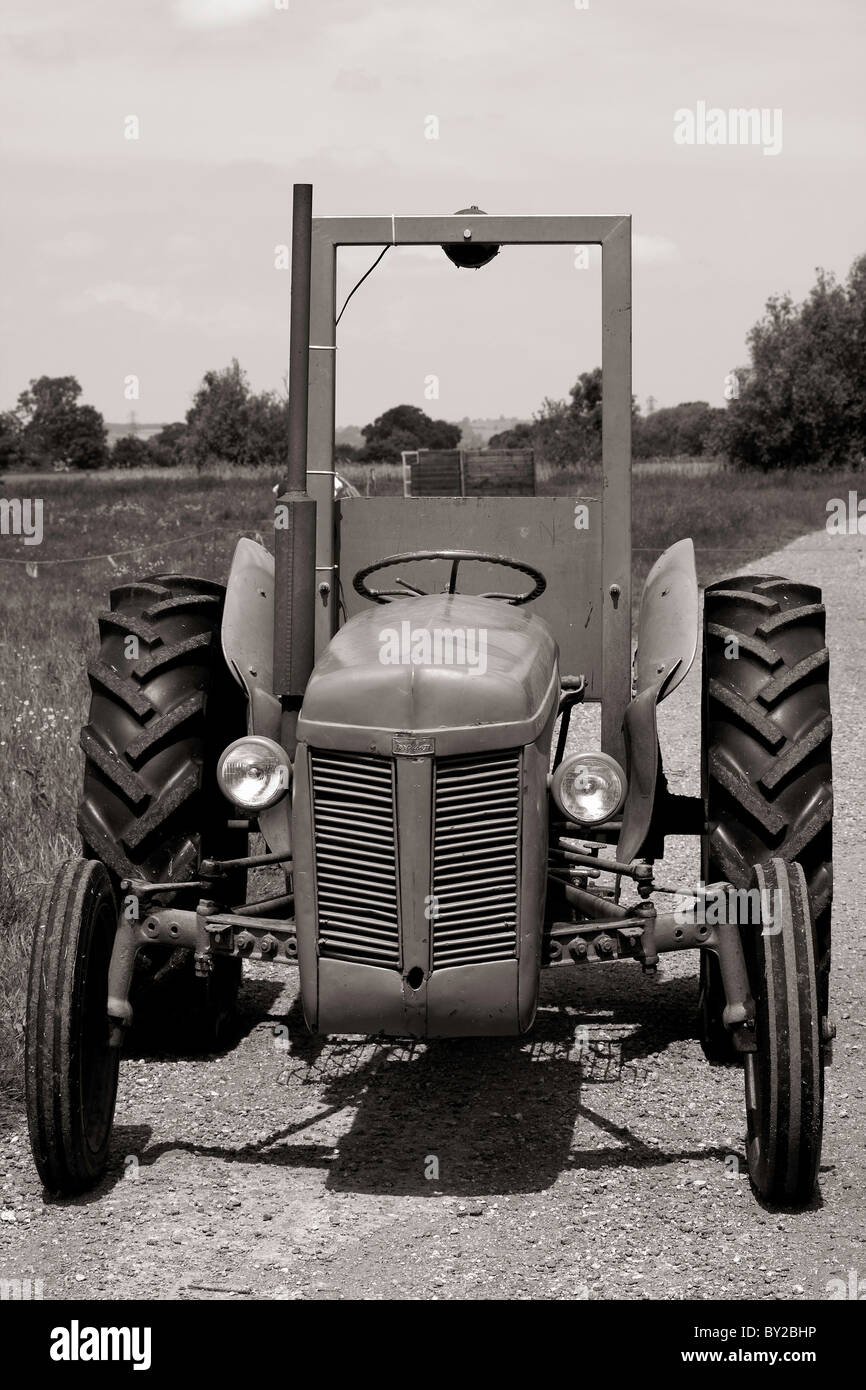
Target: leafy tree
56,430
217,422
520,436
267,430
675,430
85,440
556,437
11,447
131,452
802,399
167,448
569,432
586,406
230,423
405,427
564,433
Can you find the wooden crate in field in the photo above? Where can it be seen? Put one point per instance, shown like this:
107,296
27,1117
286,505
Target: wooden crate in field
468,473
499,472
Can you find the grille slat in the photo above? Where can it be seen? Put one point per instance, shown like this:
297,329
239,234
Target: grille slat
357,928
376,886
478,899
494,915
481,934
483,880
479,954
476,837
356,858
332,848
491,830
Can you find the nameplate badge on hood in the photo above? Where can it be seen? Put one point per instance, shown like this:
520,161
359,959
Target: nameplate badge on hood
403,746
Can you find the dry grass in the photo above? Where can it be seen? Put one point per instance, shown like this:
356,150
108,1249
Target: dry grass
188,523
386,479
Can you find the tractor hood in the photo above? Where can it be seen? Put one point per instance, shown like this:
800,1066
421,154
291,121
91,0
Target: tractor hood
440,662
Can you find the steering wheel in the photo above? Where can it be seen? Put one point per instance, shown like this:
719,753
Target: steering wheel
456,557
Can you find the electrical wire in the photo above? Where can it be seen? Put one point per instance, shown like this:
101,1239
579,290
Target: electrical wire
360,282
112,555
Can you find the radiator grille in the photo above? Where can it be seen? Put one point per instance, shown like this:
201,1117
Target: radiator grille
356,858
475,852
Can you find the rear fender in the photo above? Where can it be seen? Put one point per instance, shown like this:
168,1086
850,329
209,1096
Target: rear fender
666,644
248,647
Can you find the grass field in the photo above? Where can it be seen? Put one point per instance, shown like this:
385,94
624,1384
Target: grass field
100,530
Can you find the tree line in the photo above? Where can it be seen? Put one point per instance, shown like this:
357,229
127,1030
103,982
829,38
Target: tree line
226,423
800,401
567,432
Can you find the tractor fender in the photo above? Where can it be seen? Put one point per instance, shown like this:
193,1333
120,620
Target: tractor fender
248,647
248,634
667,640
667,630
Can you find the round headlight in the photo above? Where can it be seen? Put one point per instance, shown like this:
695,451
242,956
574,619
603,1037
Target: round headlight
589,787
254,772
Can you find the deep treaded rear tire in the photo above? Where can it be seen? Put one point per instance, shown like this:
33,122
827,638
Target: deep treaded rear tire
767,776
163,707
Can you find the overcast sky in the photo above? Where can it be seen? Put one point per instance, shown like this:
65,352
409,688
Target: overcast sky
155,257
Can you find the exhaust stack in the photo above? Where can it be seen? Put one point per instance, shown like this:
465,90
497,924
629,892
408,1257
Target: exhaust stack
295,513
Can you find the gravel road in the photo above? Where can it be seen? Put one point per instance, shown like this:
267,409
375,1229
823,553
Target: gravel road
290,1167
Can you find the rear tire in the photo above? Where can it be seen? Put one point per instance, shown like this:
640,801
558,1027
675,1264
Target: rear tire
163,707
785,1076
767,773
70,1071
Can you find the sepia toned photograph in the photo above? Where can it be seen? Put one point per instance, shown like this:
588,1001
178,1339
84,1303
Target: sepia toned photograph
432,576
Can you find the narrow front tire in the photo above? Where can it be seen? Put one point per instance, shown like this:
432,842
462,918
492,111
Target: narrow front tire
785,1075
71,1072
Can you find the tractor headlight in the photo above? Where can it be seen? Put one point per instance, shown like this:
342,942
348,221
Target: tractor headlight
254,772
589,787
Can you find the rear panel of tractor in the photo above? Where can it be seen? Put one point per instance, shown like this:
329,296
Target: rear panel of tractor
559,535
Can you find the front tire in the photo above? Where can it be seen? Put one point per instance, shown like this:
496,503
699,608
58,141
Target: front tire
70,1071
785,1076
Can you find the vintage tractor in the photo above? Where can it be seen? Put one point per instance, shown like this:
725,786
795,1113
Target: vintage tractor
402,746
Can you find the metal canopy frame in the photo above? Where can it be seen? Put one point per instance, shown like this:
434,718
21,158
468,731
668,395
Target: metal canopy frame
613,235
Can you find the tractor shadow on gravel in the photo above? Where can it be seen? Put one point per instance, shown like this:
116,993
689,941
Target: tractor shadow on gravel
483,1116
508,1115
161,1029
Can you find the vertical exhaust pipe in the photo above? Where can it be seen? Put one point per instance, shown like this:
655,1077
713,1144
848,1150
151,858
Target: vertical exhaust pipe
295,513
